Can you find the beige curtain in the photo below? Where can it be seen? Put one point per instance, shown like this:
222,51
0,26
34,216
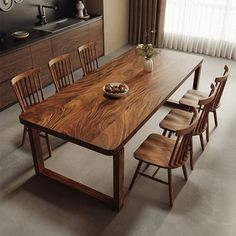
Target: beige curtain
201,26
146,22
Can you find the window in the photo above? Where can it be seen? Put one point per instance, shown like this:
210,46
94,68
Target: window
205,26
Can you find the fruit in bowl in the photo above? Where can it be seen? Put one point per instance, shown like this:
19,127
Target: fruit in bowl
115,89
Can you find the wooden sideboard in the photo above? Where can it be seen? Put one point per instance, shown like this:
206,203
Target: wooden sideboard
39,53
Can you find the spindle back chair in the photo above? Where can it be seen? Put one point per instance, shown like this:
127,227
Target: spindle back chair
88,57
29,92
61,70
167,153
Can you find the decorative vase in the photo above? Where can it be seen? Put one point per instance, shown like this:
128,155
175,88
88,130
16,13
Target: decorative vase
148,65
80,9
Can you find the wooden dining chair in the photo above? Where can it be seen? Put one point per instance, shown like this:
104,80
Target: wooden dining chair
61,70
192,96
176,119
167,153
88,57
28,89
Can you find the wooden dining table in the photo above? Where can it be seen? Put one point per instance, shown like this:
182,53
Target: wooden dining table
81,114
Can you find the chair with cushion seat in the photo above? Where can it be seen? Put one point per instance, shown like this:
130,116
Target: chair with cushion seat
28,89
164,152
61,70
192,96
88,57
176,119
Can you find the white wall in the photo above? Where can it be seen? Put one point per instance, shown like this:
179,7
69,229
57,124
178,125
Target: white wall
116,21
116,24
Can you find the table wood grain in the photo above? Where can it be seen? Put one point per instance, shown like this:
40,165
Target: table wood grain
83,115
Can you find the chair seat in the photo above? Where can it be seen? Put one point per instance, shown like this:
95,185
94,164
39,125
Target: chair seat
156,150
176,119
192,97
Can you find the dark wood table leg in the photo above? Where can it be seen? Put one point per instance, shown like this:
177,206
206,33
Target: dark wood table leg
118,179
118,174
197,77
36,149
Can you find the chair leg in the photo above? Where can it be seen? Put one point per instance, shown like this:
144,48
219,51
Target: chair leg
135,175
164,132
23,136
170,187
146,167
191,153
207,131
202,141
169,135
185,172
48,145
207,135
215,118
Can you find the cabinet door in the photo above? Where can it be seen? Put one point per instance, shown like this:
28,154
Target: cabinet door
41,55
96,35
11,65
68,42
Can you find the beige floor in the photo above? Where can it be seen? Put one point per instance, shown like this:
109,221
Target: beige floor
31,205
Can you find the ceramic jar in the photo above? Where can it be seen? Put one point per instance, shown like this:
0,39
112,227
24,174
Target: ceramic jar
148,64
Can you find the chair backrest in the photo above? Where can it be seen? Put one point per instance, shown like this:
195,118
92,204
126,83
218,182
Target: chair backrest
179,154
61,71
205,106
220,85
88,57
28,88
